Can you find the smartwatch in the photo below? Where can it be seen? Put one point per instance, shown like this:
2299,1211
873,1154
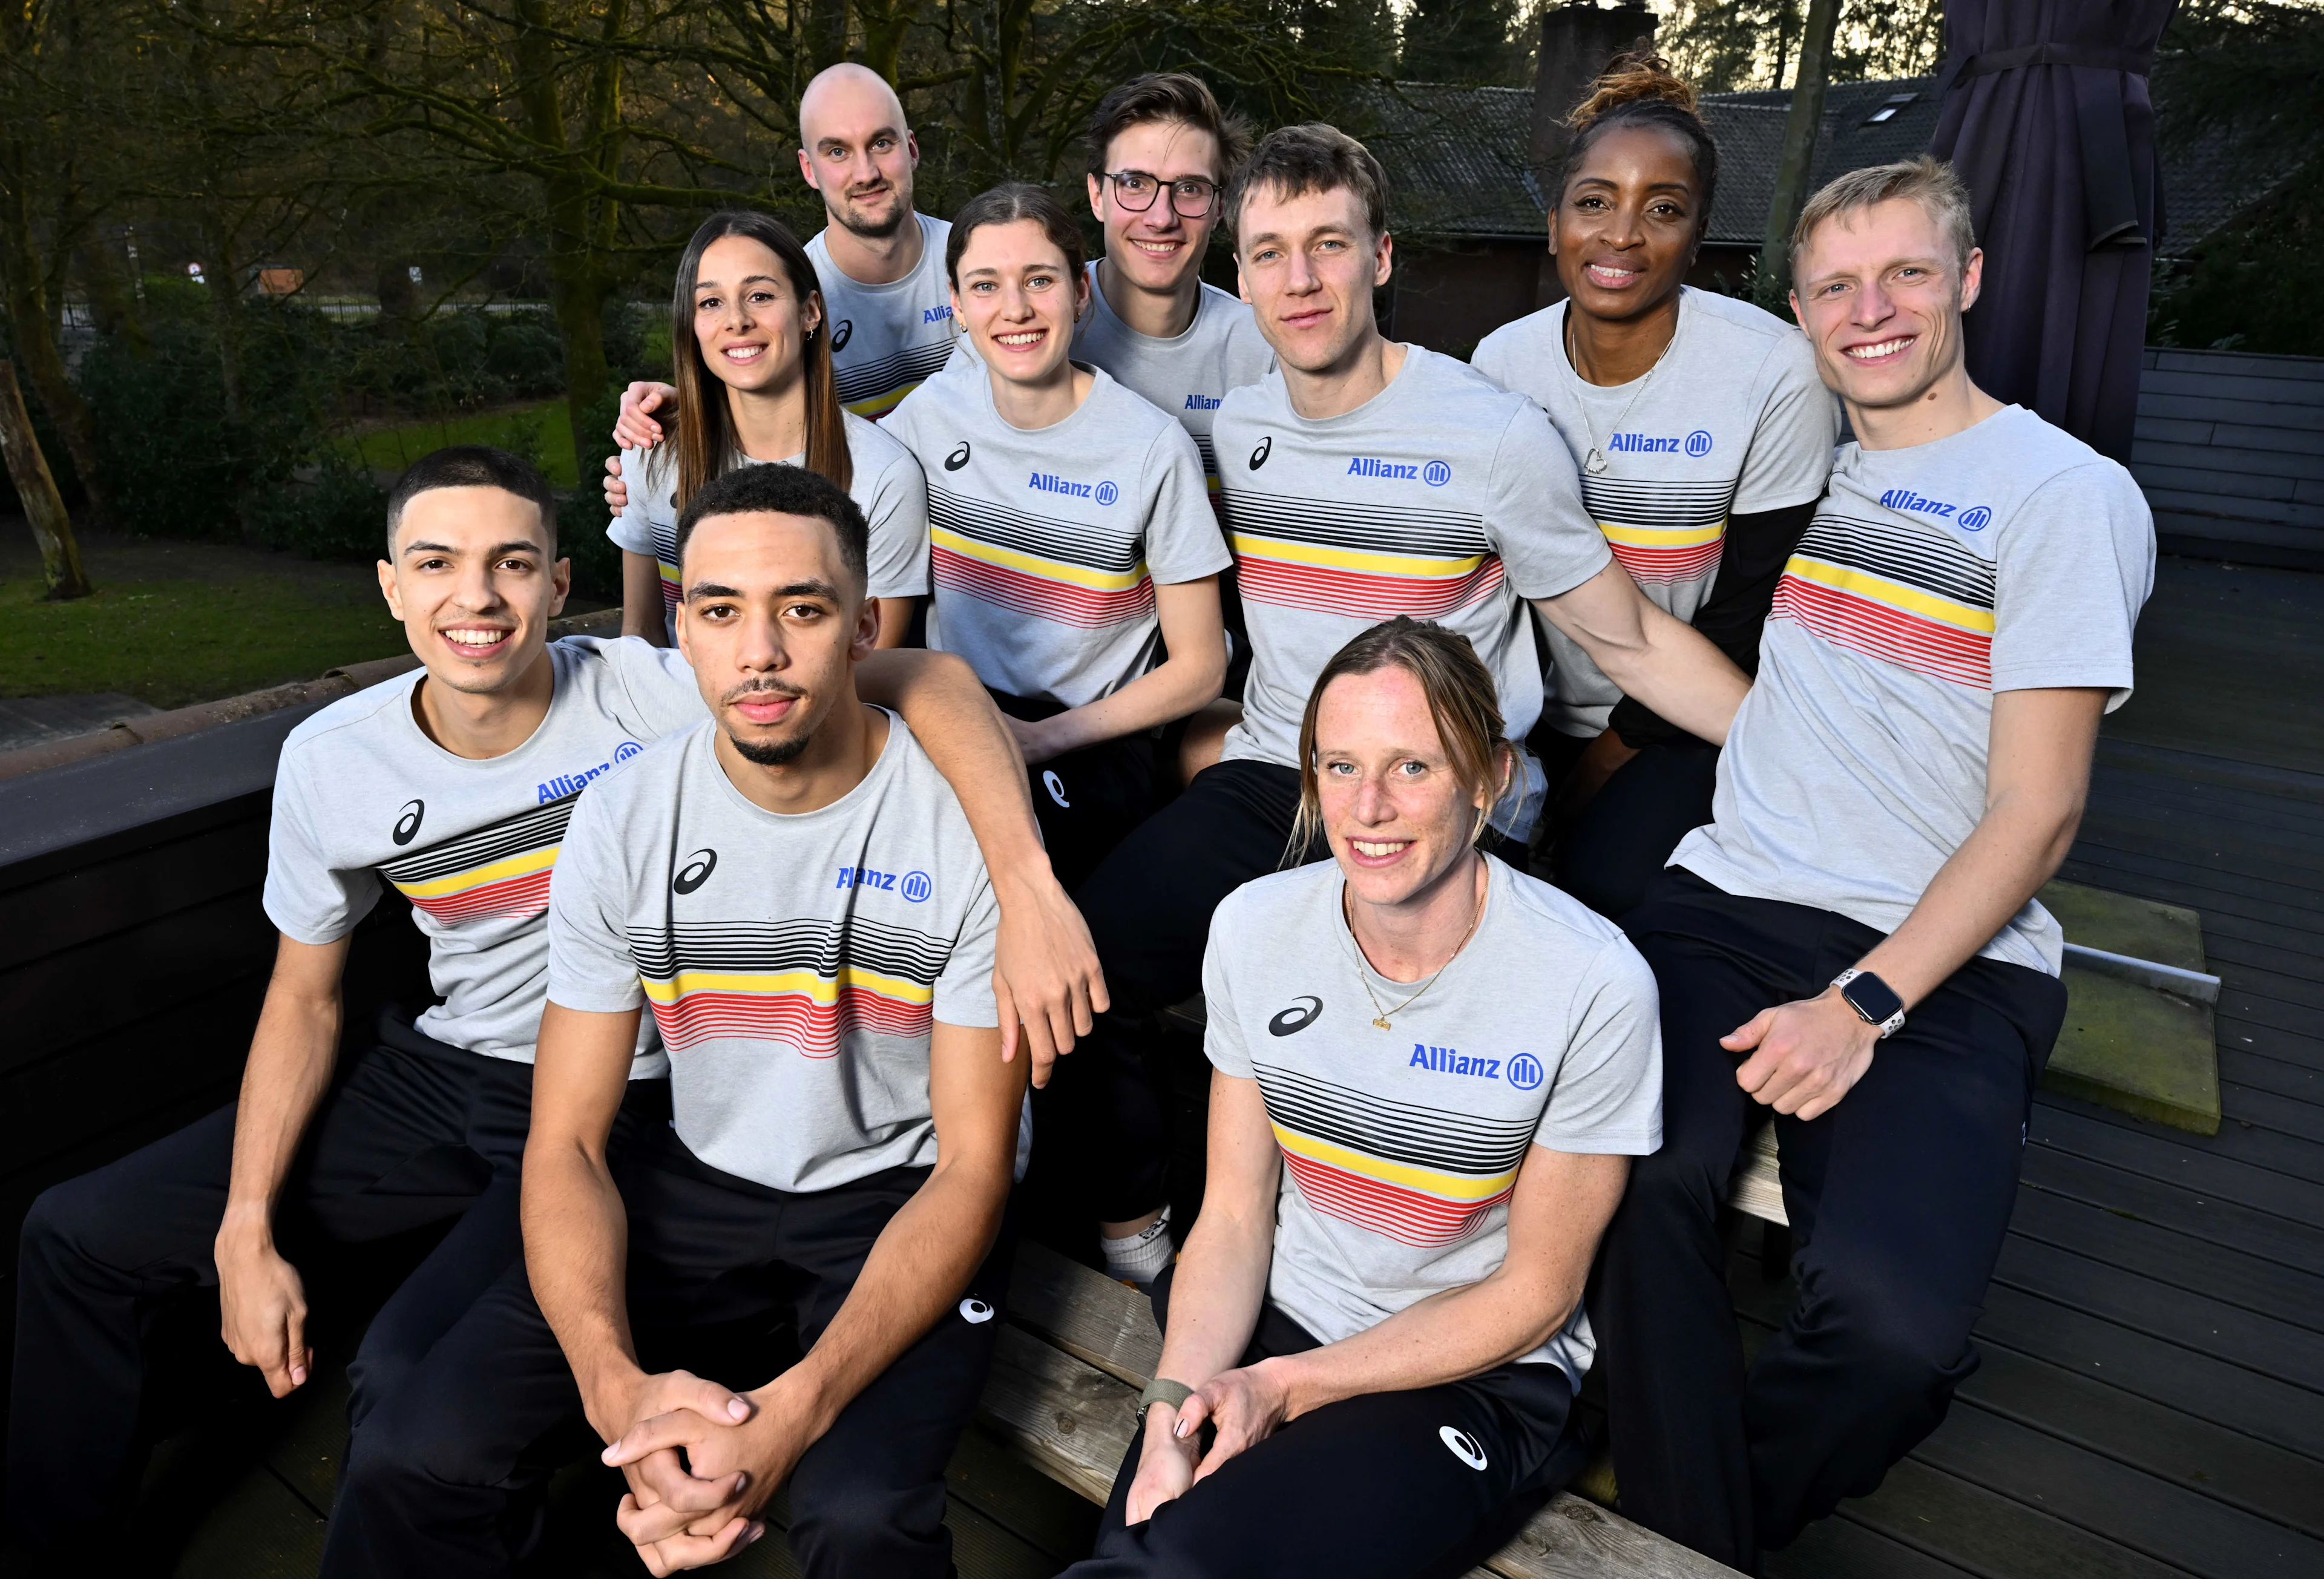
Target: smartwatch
1875,1000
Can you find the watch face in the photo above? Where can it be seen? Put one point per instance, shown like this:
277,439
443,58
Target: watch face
1872,998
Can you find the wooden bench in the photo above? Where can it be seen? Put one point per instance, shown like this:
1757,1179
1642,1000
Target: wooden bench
1078,1349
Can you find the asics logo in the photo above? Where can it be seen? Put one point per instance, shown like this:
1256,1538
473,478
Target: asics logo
407,824
975,1311
1056,787
1297,1017
1266,447
957,458
696,872
1463,1445
840,335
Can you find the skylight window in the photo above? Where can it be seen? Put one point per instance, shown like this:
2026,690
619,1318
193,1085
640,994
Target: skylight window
1887,110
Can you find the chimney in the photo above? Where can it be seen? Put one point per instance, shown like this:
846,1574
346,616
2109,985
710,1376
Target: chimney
1576,42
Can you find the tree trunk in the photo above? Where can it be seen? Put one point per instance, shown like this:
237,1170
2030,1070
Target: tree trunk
826,33
106,278
885,26
578,292
1800,129
34,329
225,317
44,507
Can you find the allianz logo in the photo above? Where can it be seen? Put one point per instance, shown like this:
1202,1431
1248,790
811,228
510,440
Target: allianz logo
1201,403
1050,483
1696,444
935,315
1977,517
565,784
1435,473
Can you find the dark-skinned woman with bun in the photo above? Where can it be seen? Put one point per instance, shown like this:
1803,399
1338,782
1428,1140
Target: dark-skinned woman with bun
1703,437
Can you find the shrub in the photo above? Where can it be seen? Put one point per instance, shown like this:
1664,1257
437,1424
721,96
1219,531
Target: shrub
336,513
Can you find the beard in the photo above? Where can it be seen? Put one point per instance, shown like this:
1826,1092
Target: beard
845,216
773,753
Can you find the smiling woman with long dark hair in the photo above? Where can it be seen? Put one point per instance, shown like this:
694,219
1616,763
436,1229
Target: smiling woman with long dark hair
751,361
1703,439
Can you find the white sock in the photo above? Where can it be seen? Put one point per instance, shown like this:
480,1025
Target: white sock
1140,1258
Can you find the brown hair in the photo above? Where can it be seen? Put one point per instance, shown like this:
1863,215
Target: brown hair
705,439
1930,182
1638,89
1005,205
1462,701
1293,161
1173,97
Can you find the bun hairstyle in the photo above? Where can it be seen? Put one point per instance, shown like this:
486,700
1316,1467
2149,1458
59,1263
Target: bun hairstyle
1638,89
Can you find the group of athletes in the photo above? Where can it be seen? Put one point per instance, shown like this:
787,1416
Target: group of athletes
751,930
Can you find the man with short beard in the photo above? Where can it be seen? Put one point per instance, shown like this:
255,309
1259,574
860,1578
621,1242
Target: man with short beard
879,263
791,890
1853,943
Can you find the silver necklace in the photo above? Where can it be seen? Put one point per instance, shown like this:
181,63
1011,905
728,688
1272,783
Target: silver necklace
1595,463
1379,1015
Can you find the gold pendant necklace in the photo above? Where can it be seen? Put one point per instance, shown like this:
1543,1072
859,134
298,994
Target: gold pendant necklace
1379,1015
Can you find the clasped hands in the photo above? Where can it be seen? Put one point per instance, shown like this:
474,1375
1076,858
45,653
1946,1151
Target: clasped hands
1244,1407
701,1460
1805,1056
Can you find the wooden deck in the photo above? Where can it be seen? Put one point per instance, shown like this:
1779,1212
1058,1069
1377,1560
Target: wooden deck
2151,1398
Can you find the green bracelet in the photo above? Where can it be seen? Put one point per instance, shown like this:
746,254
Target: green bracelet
1163,1391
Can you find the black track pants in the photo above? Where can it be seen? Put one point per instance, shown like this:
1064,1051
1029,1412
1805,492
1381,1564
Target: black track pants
1617,847
1899,1199
1149,907
1088,800
1389,1485
415,1132
445,1478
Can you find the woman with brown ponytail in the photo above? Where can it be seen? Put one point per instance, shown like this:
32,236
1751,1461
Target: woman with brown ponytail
1703,437
752,366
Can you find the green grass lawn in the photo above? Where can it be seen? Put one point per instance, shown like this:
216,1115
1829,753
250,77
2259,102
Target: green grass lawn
540,431
171,643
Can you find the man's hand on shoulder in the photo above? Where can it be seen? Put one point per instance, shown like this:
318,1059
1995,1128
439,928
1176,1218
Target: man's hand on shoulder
262,1306
1046,971
690,1512
1805,1056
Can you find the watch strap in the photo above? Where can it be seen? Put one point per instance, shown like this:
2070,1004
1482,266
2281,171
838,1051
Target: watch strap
1163,1391
1888,1027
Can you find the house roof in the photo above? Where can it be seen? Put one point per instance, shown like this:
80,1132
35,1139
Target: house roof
1458,164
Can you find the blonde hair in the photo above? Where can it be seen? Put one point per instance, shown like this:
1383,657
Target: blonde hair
1930,182
1462,701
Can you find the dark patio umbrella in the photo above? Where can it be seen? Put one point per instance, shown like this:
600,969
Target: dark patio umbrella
2046,117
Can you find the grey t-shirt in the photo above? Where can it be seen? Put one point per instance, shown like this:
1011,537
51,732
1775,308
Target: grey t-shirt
1734,420
886,485
2007,557
886,338
1045,544
362,794
1401,1148
1445,497
795,965
1186,375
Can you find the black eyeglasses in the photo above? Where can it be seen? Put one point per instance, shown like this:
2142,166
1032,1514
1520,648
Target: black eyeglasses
1191,197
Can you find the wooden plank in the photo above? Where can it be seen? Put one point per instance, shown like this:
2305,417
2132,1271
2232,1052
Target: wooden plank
1086,1314
987,1476
1841,1549
2272,415
1991,1535
2143,1199
2299,1081
2291,1293
1572,1539
2256,1476
2085,1132
2221,454
2195,1321
2167,1522
2178,1378
2293,1159
2203,503
2227,488
1070,1419
2210,385
983,1549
